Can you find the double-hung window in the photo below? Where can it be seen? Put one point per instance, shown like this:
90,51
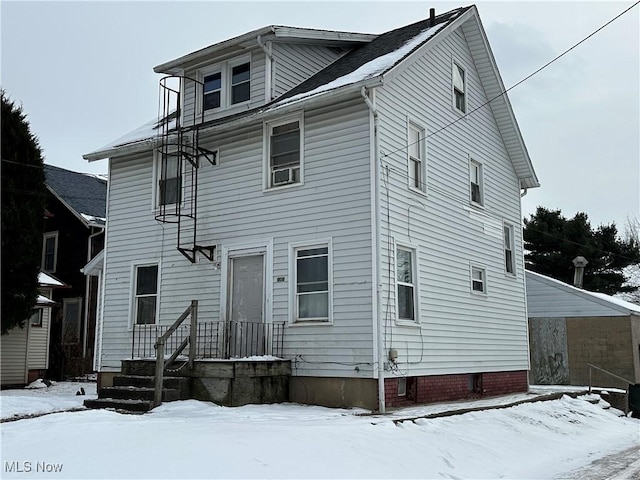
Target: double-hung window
145,290
284,148
240,83
169,180
476,182
226,84
509,259
417,167
49,251
478,279
459,88
36,317
312,285
406,282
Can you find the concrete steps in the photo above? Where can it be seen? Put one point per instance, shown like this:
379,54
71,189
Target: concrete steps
134,393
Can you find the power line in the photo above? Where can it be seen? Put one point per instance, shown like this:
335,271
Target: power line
517,83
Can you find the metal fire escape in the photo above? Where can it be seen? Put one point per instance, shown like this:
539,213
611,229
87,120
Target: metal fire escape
180,157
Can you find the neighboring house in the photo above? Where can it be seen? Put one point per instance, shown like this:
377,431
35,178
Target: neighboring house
570,328
25,351
362,190
73,235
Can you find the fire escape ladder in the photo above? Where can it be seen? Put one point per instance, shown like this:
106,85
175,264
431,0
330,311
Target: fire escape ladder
179,157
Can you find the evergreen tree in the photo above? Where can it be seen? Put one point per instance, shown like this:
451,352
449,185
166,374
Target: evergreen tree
23,197
553,241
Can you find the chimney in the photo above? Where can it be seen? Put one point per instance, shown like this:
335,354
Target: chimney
579,263
432,17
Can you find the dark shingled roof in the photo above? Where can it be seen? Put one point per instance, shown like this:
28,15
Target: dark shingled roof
84,193
385,43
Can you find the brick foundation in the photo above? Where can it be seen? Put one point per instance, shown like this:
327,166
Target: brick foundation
445,388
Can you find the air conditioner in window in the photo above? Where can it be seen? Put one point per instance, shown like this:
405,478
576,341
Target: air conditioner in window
285,176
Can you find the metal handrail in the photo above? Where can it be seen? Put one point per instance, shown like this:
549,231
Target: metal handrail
191,311
608,373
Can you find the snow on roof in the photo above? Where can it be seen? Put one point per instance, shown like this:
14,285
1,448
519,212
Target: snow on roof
632,307
46,280
94,219
371,69
44,302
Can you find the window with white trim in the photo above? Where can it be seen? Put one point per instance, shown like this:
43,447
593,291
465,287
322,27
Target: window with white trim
478,279
459,88
71,319
49,251
406,283
225,84
169,180
145,294
284,153
312,285
36,317
509,258
417,157
476,182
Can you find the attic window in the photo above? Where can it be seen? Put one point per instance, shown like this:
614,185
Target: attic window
459,88
240,83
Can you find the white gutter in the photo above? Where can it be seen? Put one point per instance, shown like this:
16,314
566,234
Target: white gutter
378,346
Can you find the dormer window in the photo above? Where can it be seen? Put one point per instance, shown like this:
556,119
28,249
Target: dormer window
240,83
212,91
226,84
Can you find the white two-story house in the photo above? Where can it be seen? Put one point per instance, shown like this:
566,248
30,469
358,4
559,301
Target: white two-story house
361,191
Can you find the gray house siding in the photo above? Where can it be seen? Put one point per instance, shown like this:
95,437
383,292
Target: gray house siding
333,204
457,331
295,63
14,356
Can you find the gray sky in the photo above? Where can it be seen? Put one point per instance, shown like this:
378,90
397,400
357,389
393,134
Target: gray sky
83,72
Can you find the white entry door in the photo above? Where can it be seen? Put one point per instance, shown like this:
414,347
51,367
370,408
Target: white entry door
246,301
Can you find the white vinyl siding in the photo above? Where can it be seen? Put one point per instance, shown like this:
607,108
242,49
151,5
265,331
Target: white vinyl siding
336,179
293,64
13,353
459,87
476,182
458,332
38,346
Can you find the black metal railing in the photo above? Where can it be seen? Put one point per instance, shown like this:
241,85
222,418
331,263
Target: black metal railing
213,340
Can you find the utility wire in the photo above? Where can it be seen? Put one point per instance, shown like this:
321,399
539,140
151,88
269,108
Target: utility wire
517,83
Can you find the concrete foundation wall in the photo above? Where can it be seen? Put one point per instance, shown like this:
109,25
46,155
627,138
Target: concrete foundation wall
335,392
602,341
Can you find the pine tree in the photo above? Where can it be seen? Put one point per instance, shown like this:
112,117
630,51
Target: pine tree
23,197
553,241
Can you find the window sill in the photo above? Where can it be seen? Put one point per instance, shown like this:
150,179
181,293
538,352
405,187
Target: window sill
310,323
408,323
417,191
282,187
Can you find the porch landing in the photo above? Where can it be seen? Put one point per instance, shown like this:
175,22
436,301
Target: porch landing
231,382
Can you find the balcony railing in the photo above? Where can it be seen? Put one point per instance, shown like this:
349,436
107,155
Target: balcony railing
221,340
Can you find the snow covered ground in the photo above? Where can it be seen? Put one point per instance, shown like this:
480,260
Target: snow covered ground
192,439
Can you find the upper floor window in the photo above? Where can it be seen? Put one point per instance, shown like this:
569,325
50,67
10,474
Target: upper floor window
145,294
212,91
417,165
312,283
509,265
459,88
478,280
49,251
406,282
169,174
240,83
284,153
226,84
476,183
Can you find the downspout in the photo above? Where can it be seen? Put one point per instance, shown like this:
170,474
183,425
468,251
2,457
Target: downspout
524,192
379,344
268,74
